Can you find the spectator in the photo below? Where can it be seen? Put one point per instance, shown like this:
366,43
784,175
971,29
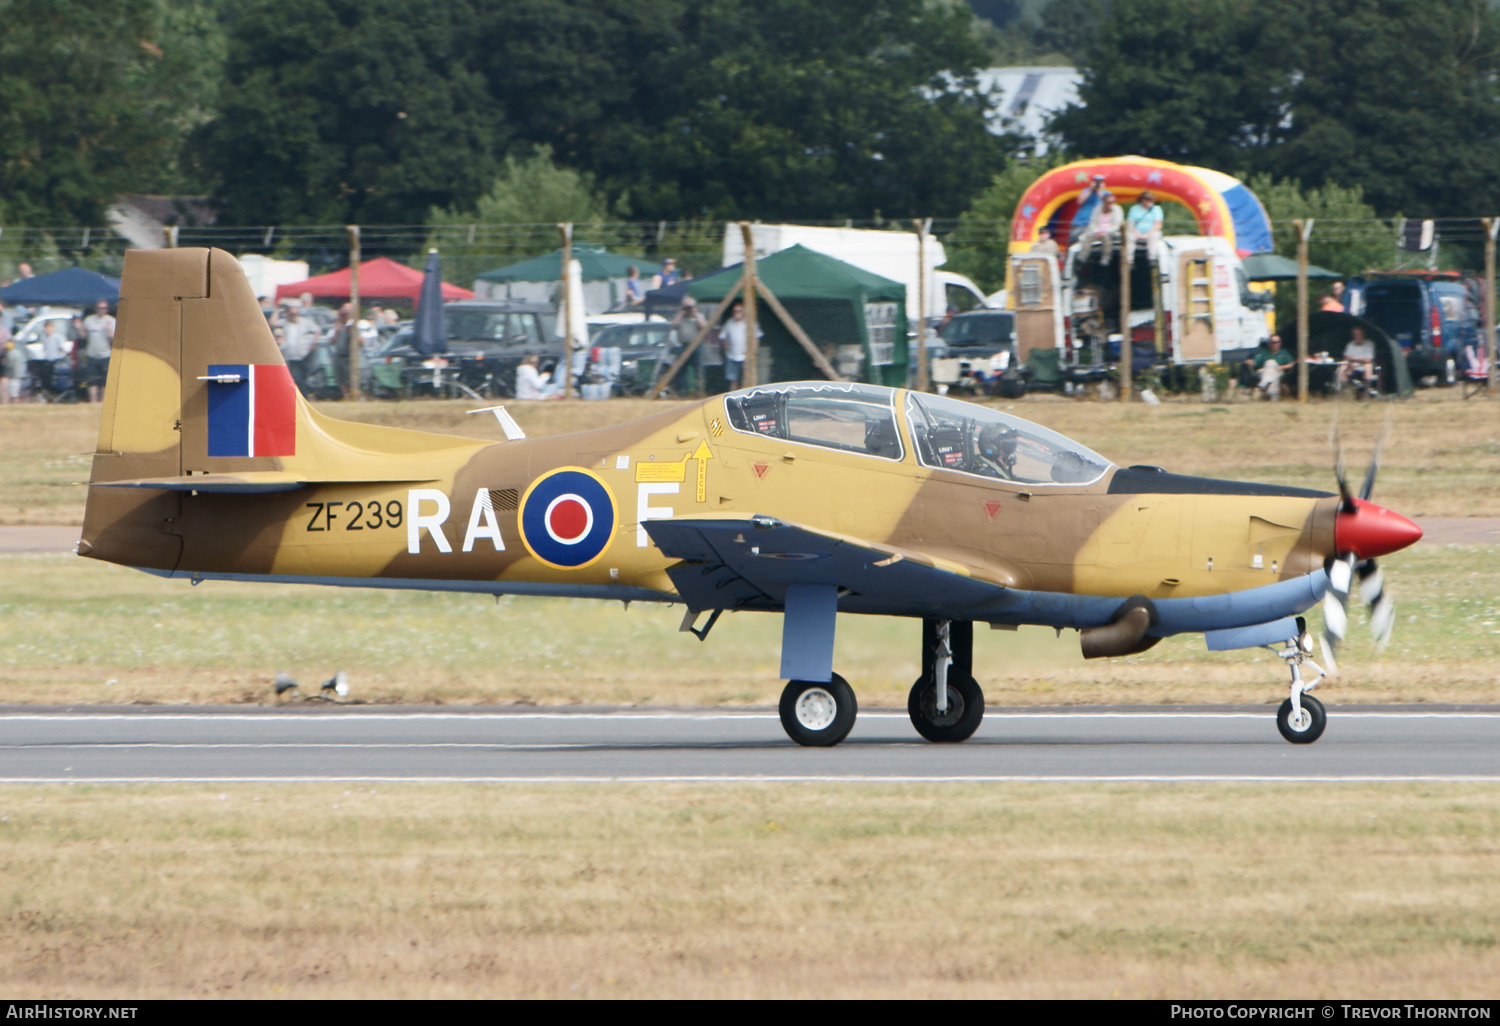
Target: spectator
1045,245
1144,220
54,356
733,337
1268,366
1358,364
1333,300
667,276
1104,227
338,347
297,338
99,338
686,324
635,292
268,309
7,319
12,370
24,271
531,383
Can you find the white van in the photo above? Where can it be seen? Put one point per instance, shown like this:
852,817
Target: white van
891,255
1207,307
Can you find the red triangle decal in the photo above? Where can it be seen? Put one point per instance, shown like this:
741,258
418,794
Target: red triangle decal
760,469
991,507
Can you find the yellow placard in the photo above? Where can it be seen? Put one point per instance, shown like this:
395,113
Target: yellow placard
662,472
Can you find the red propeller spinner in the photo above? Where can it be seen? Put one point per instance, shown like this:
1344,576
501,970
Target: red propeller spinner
1370,530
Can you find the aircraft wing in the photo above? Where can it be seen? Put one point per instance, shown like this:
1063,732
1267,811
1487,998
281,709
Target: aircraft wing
247,482
749,563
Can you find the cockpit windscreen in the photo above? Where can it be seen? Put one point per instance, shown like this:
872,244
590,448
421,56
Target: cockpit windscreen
952,435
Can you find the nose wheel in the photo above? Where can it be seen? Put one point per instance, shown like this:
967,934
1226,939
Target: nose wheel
818,715
1301,718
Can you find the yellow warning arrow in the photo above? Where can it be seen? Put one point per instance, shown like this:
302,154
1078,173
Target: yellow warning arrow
702,454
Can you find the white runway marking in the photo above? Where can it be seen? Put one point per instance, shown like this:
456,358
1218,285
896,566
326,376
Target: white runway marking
778,779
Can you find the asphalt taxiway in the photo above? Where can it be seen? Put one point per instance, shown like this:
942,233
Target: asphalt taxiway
353,743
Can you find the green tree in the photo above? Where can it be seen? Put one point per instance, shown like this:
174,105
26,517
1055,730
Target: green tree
96,98
979,245
1399,97
1346,235
351,110
516,218
782,109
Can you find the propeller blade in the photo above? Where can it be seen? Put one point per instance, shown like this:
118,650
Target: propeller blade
1382,620
1385,434
1330,663
1339,474
1336,604
1371,582
1382,606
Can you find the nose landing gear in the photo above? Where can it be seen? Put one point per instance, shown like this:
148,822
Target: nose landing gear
1301,718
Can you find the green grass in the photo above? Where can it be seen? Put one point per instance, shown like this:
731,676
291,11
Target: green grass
69,626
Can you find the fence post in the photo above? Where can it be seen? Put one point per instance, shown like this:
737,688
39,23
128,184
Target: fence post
1304,232
752,344
924,383
354,340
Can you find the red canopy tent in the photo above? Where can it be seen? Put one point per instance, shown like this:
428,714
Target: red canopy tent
381,278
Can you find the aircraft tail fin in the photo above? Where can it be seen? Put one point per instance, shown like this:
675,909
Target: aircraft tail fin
197,385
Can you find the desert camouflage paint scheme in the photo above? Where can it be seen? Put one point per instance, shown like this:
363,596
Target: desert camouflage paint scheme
827,497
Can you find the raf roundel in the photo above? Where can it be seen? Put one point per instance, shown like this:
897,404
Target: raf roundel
567,518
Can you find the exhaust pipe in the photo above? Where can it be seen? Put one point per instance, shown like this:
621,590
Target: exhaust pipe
1125,634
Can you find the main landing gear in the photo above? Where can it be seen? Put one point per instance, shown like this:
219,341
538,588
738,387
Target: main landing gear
1301,718
945,703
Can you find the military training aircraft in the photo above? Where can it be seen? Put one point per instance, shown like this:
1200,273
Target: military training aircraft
807,499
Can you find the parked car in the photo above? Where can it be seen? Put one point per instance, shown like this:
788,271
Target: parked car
487,340
1432,315
984,344
641,344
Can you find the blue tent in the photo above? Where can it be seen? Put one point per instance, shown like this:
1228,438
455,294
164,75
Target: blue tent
72,286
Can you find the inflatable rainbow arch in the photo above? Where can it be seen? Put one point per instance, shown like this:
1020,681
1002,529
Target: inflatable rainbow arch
1222,204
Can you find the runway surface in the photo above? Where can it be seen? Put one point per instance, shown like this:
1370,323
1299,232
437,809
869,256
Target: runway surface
351,744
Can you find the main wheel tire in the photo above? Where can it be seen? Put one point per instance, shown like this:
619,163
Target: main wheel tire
1307,729
818,715
965,709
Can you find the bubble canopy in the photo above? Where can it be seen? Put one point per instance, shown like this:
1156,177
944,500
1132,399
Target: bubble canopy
947,434
970,439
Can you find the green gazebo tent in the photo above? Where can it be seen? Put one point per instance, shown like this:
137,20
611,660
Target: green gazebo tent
856,318
536,280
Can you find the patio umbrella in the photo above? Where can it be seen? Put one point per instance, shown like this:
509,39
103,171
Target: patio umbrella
432,327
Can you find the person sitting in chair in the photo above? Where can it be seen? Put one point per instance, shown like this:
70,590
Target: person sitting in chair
1358,364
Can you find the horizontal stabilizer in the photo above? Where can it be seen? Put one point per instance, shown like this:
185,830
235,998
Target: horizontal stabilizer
250,482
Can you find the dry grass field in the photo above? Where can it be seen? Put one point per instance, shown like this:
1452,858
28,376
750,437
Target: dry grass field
1445,460
73,630
751,891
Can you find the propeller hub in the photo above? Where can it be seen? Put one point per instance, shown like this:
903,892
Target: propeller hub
1370,530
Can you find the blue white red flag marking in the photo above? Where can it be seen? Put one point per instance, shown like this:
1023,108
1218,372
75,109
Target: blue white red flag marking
252,410
567,518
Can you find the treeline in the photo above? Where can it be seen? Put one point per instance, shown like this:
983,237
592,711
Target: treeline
411,111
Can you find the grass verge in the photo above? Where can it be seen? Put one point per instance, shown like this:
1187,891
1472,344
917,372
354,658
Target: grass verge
751,891
73,630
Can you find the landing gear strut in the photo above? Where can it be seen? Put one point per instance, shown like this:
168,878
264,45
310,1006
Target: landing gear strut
945,703
1301,718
